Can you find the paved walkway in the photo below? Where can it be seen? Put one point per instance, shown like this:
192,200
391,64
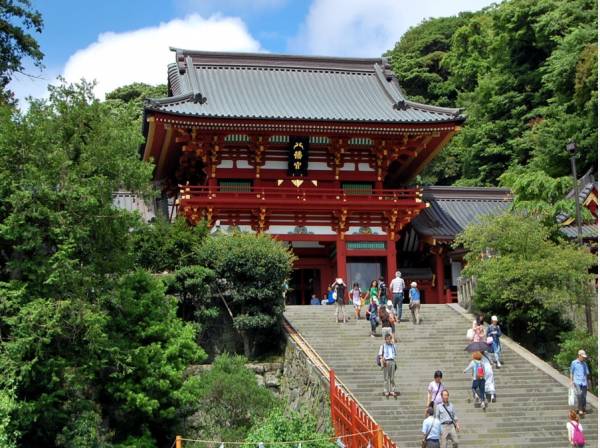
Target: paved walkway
532,405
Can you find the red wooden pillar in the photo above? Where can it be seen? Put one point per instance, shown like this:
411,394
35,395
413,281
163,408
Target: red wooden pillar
439,274
390,259
340,256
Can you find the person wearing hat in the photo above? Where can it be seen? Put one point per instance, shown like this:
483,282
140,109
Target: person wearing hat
415,303
580,374
493,335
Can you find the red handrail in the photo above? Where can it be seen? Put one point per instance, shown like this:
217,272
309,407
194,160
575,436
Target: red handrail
349,417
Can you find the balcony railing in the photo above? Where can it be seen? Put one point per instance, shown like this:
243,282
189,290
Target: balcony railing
290,198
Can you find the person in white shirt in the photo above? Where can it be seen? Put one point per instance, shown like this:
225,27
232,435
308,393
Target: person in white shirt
397,287
387,352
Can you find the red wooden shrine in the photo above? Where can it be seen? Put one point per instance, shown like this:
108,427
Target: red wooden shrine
222,145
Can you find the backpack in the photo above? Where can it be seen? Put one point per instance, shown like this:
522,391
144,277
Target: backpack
479,371
578,437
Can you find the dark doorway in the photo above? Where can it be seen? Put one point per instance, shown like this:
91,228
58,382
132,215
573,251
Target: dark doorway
304,283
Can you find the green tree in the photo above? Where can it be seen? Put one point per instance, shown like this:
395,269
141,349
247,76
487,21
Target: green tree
164,246
250,272
571,343
526,75
229,401
526,278
143,380
17,20
282,426
540,195
90,353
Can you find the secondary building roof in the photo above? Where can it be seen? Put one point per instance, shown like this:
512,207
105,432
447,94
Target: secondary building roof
588,231
452,209
284,87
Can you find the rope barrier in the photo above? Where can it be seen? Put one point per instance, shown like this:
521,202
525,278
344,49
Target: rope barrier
295,442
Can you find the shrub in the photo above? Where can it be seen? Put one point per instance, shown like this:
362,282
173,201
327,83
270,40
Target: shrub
526,278
280,426
250,272
228,401
571,343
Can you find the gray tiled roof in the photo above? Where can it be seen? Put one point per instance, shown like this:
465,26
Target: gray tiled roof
452,209
588,231
264,86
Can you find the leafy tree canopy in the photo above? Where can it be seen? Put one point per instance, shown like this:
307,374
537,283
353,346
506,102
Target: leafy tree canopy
282,426
92,352
250,272
17,19
229,401
525,74
525,277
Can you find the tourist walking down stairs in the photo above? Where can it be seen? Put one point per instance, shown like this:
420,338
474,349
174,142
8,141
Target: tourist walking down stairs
490,383
494,332
387,357
397,287
356,294
372,315
477,370
575,430
435,389
431,430
415,303
580,373
446,414
477,329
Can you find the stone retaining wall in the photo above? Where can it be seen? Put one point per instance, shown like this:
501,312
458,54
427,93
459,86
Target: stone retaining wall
304,388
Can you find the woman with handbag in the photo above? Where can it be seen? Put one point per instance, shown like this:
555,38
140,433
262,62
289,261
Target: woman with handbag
477,328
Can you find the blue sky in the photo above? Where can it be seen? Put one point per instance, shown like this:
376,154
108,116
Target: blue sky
118,42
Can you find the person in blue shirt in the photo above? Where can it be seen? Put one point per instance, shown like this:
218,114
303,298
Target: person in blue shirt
580,373
431,429
314,300
494,332
414,305
330,299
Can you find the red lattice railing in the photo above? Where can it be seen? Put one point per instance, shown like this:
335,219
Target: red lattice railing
349,417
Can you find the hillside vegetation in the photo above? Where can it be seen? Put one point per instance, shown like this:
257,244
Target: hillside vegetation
525,74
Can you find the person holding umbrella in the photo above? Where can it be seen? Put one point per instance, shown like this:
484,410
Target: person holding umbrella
478,374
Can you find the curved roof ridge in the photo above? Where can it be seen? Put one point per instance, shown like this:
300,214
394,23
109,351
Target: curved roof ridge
431,108
265,60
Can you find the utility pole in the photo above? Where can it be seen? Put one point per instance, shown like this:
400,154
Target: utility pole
572,149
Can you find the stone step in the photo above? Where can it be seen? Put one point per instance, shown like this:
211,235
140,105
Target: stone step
530,411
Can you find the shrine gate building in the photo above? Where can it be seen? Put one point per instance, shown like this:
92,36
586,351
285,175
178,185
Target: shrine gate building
319,152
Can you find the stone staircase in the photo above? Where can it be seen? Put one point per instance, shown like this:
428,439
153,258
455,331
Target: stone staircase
531,408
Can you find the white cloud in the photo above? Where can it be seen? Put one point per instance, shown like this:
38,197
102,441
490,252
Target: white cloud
116,59
367,28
